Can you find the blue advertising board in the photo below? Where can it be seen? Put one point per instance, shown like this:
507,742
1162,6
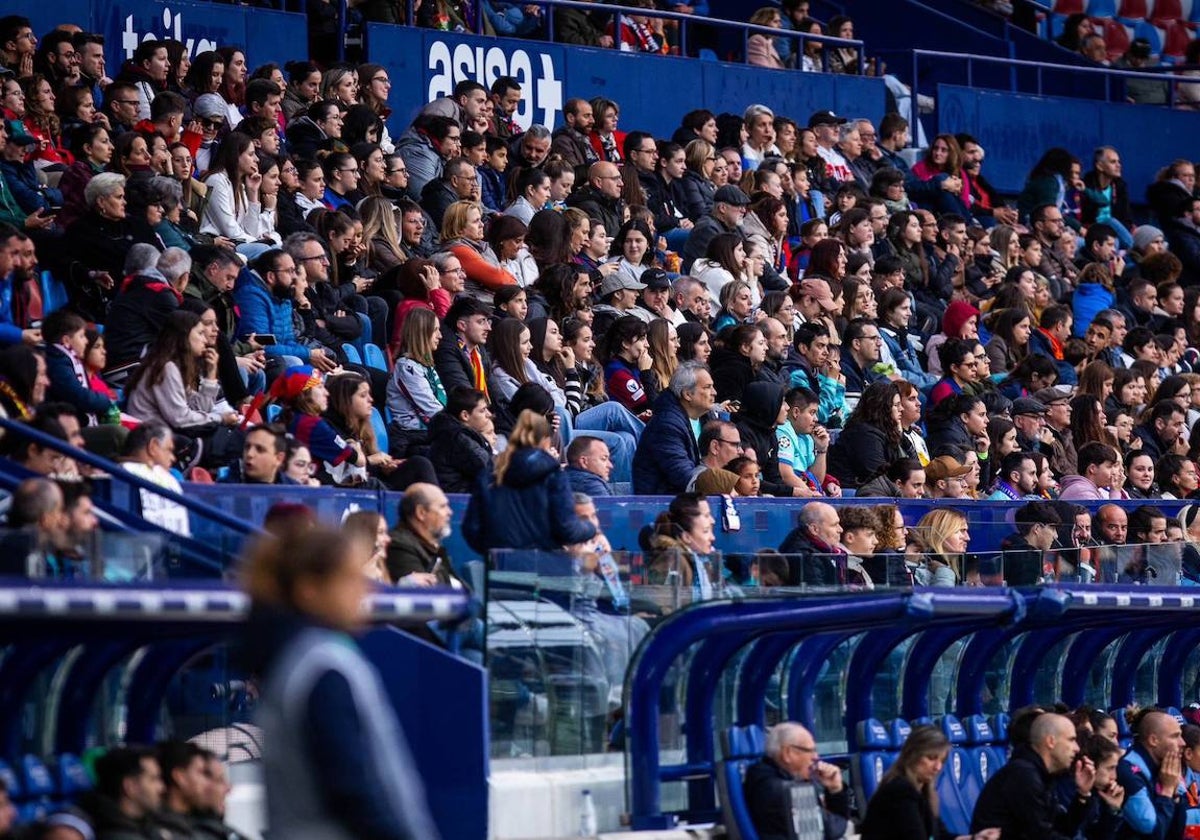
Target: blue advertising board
653,92
268,35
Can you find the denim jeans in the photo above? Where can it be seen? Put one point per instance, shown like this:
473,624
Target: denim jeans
613,424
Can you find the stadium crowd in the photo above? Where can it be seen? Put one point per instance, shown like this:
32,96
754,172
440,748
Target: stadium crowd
1069,773
211,272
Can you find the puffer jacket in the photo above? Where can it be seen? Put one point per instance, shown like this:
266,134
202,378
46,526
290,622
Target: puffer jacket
260,312
761,403
459,454
423,161
667,452
532,509
694,195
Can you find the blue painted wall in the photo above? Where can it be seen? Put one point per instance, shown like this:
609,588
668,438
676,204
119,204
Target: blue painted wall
653,92
1015,129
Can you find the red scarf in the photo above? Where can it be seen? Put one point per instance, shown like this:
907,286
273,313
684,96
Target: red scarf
1056,348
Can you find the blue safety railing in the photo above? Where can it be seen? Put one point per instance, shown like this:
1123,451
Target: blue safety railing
685,22
1106,646
1037,78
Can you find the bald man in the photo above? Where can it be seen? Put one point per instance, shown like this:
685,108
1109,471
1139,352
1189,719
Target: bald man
1021,798
600,197
1151,773
791,761
416,556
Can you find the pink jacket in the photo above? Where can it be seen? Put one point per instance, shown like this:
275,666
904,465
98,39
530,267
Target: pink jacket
1078,488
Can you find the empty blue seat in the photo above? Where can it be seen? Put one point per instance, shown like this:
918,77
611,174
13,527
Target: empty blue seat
374,357
37,789
955,779
898,732
72,777
15,791
872,759
381,433
1175,713
54,293
741,746
1124,735
352,354
981,749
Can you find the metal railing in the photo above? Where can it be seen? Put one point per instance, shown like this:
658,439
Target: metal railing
621,13
1108,74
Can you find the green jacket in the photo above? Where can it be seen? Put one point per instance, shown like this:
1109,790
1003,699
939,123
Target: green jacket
222,303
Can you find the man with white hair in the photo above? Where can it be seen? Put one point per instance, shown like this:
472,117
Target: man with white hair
1022,798
144,300
789,776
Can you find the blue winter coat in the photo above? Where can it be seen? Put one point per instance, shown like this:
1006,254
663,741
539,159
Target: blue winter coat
1087,302
667,453
588,483
1038,344
27,190
65,387
261,313
532,509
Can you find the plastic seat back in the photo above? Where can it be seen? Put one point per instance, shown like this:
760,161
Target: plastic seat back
1132,10
36,778
54,293
374,357
1067,7
380,427
1124,733
352,354
1101,8
1178,37
11,782
871,760
955,778
1167,10
73,778
980,750
741,746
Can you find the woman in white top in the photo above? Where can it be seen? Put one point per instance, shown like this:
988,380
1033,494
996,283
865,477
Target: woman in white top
533,191
633,245
234,208
507,238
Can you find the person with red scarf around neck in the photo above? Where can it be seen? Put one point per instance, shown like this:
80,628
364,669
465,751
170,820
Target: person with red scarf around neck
1050,338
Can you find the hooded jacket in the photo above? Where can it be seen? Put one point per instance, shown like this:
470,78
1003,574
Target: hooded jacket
761,402
533,508
137,314
133,74
424,162
1078,488
459,454
732,372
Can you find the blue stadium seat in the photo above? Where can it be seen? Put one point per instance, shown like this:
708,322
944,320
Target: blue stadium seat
1101,8
38,788
999,724
980,751
374,357
871,760
9,778
72,776
54,293
273,411
741,746
380,427
352,354
955,779
1175,713
898,732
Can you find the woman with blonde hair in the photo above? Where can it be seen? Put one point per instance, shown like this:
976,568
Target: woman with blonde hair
527,501
664,355
463,236
370,525
340,84
380,233
694,193
945,536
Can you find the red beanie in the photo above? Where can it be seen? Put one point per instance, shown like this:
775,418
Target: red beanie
957,314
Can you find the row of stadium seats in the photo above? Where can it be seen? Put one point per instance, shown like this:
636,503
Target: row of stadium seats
1159,11
36,788
1168,39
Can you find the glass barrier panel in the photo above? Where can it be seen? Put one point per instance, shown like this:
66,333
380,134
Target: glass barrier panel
1146,679
1047,682
1100,687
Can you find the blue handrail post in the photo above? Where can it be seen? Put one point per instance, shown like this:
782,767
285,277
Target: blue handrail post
478,17
410,13
549,9
342,30
914,108
683,29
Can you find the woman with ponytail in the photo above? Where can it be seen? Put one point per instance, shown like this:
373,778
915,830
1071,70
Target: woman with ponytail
526,501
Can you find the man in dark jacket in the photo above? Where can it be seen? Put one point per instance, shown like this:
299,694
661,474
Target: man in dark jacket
458,449
791,774
814,555
642,151
1020,799
1023,553
460,358
600,197
1161,431
729,208
589,466
416,555
457,183
668,452
138,312
862,348
129,790
574,26
263,458
186,787
571,141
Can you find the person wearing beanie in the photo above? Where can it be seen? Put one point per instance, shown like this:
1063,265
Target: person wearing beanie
210,111
961,320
